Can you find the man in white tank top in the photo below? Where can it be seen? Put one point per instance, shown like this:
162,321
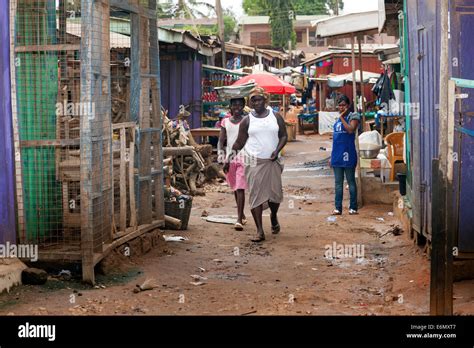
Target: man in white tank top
263,133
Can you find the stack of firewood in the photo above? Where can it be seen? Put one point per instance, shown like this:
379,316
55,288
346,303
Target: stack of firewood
189,164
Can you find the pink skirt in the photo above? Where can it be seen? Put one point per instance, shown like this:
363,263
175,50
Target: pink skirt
236,176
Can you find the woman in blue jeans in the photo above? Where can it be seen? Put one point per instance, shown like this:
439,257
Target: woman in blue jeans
344,154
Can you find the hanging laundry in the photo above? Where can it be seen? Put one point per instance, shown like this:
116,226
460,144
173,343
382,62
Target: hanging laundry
383,90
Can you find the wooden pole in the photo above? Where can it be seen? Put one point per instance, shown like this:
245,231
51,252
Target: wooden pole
220,23
362,85
172,221
441,289
123,181
291,55
354,91
131,185
320,85
95,71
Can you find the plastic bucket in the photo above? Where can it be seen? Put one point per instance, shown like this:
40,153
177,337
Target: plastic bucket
402,183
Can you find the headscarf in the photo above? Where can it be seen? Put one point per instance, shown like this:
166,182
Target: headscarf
258,91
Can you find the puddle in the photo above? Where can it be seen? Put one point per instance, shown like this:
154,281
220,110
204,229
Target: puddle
320,168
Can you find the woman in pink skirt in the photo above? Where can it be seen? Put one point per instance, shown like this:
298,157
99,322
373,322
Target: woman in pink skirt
236,171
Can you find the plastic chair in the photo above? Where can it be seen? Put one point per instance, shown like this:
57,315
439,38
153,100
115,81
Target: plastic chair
395,150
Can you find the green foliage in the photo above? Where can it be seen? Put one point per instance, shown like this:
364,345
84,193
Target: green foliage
280,11
281,14
255,7
193,9
301,7
229,25
310,7
184,9
332,4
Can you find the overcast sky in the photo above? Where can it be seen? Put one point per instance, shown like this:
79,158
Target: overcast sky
350,6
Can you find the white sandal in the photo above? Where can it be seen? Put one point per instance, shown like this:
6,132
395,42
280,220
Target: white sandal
336,212
353,212
238,226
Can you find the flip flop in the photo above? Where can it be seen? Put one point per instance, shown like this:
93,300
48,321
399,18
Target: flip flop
238,226
276,229
258,238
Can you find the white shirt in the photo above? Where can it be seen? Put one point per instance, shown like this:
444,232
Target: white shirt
232,132
263,136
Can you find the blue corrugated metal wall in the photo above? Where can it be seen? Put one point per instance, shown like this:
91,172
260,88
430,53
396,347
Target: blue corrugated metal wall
423,31
424,53
7,198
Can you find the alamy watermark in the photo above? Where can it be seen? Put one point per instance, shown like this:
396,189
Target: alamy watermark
84,109
245,158
403,109
341,251
22,251
37,331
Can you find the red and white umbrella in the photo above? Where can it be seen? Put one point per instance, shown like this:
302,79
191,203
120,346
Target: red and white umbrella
270,83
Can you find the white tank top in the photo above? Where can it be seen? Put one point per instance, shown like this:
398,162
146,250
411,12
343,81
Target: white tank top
263,135
232,132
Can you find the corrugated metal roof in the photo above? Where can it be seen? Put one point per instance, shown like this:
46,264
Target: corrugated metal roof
340,80
120,36
373,49
276,54
350,23
392,61
250,51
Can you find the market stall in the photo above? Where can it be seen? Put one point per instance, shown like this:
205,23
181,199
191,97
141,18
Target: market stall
212,106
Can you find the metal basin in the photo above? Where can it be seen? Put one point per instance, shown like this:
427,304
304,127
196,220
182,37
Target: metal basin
369,154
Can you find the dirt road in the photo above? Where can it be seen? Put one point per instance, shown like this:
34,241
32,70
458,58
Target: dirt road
290,273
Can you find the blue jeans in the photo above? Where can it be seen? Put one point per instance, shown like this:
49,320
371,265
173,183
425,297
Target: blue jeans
350,177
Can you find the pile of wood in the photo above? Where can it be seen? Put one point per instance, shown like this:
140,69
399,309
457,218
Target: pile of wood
188,165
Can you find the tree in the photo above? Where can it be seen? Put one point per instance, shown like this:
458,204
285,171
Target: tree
310,7
229,25
255,7
301,7
281,14
184,9
333,5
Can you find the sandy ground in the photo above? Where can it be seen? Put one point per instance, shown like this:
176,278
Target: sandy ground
287,274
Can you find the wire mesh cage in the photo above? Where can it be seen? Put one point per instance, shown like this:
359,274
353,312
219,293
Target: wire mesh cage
87,125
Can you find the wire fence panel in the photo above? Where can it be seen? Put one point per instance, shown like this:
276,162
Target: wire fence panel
87,124
37,91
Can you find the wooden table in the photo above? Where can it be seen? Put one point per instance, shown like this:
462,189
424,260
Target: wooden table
390,119
308,117
200,133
